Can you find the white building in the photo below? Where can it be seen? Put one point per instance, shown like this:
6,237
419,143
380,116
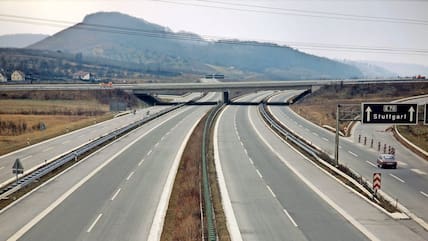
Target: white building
17,76
2,77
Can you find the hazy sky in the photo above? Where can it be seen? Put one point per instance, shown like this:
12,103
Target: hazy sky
346,29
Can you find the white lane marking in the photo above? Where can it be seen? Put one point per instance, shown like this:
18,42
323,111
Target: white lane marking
130,175
418,171
242,143
48,149
306,129
402,164
148,153
94,223
355,155
426,195
25,158
246,152
1,168
315,134
115,194
325,139
141,162
169,132
157,144
291,218
65,142
399,179
346,215
251,161
271,192
371,163
258,173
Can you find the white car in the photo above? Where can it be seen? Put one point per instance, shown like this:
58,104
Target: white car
386,160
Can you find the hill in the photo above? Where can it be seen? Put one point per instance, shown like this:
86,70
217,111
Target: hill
20,40
127,39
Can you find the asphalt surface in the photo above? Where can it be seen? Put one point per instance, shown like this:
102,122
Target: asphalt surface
113,195
269,201
37,154
407,184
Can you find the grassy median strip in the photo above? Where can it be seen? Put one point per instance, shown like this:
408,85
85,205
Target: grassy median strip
183,217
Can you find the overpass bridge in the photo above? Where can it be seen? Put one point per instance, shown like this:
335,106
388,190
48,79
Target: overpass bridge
225,87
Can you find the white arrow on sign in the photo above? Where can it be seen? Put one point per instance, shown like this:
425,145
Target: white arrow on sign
368,111
411,111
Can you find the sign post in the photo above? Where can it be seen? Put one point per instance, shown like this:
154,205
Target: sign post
376,182
17,168
389,113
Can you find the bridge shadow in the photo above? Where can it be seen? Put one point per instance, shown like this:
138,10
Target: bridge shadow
205,103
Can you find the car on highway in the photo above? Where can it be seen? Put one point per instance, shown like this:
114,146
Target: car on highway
387,160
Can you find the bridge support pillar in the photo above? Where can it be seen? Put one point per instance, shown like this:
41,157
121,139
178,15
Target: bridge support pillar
226,99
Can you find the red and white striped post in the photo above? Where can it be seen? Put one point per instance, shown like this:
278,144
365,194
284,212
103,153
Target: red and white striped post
376,182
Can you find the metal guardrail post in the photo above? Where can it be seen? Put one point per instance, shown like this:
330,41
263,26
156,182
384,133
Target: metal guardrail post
205,179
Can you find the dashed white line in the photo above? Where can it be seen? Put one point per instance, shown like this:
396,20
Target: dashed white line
242,143
271,192
306,129
150,152
402,164
418,171
1,168
325,139
371,163
94,223
350,152
291,218
397,178
65,142
25,158
141,162
426,195
251,161
130,175
258,173
157,144
246,152
115,194
315,134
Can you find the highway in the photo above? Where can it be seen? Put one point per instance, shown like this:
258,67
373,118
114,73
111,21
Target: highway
269,201
407,184
35,155
117,193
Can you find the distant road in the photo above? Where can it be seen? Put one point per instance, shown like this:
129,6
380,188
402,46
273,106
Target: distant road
269,201
408,183
114,194
203,87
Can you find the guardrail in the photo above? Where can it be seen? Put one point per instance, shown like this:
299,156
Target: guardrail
75,154
209,212
358,182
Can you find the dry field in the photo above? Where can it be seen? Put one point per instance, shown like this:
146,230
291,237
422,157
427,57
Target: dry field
31,117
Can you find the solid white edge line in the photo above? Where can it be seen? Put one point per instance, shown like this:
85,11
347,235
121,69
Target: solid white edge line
94,223
232,224
423,193
371,163
291,218
158,220
397,178
45,212
348,217
271,191
115,194
130,175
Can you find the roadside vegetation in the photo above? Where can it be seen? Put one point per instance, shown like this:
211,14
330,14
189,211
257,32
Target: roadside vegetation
320,106
417,134
27,118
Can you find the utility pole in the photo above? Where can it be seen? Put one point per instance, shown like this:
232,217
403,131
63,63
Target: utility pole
336,150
